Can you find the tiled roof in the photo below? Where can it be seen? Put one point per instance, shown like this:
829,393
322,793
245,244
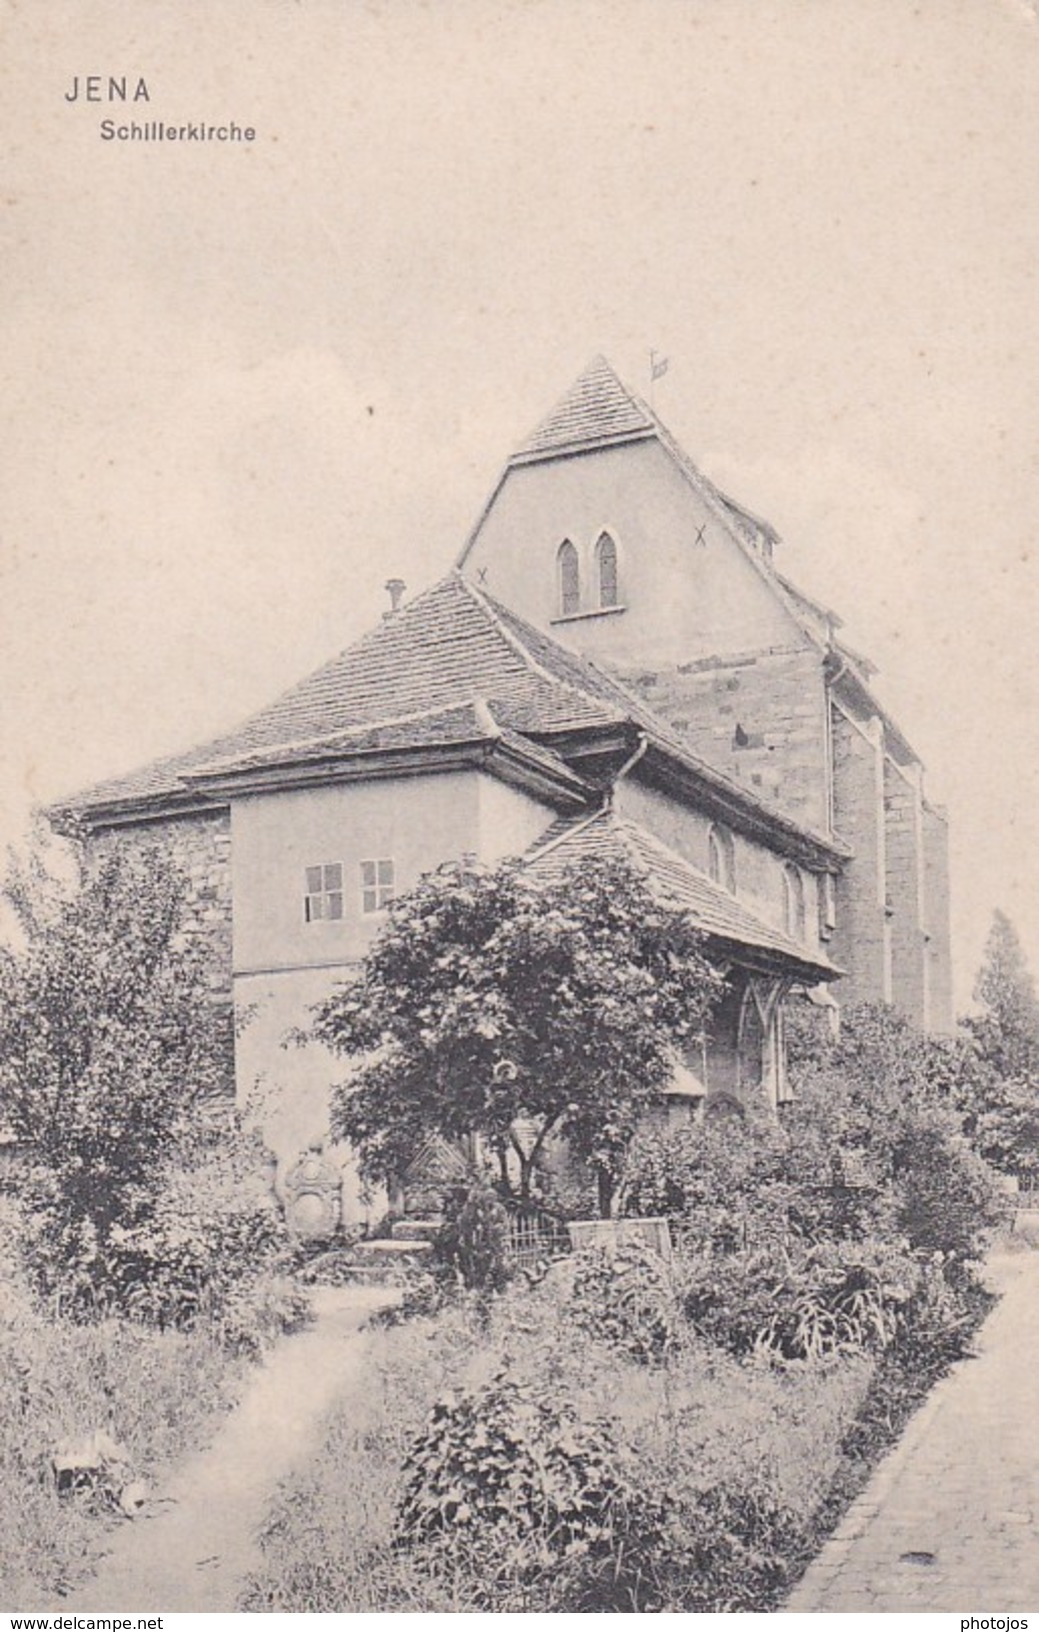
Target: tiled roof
597,408
446,647
720,915
451,666
466,724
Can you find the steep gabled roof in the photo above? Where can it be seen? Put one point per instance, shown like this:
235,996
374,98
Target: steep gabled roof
723,918
597,410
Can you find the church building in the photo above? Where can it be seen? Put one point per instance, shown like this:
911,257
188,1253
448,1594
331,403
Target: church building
615,664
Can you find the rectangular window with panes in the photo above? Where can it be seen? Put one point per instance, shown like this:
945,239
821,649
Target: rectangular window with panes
376,885
324,892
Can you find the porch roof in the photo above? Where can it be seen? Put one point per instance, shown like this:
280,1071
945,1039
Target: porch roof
728,923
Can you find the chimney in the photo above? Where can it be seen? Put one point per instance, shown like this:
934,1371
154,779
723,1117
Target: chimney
395,588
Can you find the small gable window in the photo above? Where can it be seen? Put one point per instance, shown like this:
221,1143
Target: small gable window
793,902
376,885
569,570
323,897
721,858
606,566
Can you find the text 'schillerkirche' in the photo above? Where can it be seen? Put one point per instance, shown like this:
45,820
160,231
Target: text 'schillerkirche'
133,88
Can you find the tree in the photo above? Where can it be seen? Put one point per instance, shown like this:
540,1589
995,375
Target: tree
878,1124
1006,1026
490,1001
109,1040
1002,1105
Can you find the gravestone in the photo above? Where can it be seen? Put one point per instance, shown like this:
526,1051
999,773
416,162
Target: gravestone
313,1197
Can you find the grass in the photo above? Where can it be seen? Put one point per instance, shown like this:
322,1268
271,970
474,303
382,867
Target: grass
154,1392
697,1421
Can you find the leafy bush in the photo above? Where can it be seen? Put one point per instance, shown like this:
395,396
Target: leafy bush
205,1245
947,1198
726,1183
115,1067
625,1297
157,1393
109,1040
473,1241
938,1320
732,1552
797,1304
875,1122
521,1486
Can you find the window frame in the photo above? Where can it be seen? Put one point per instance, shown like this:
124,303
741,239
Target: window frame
568,579
795,918
720,845
603,544
378,888
325,903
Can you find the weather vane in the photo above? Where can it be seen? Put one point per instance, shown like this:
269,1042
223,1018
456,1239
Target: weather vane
657,368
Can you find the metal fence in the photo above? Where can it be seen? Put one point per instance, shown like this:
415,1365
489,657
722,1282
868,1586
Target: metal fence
536,1237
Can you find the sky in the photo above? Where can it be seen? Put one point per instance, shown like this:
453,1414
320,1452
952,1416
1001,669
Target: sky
243,384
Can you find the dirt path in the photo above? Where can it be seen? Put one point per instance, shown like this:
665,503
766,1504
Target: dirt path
196,1550
950,1519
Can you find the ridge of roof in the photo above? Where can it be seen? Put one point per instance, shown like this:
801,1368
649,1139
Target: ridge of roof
451,738
635,712
329,741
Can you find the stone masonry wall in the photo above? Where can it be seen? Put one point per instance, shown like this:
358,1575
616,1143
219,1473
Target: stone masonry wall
759,716
859,936
905,884
936,921
200,847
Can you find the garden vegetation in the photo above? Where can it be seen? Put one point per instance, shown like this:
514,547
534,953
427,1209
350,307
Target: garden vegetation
618,1430
145,1253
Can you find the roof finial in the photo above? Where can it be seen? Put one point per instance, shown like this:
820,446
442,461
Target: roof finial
395,588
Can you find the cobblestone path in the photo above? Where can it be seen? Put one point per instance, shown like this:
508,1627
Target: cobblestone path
195,1552
950,1519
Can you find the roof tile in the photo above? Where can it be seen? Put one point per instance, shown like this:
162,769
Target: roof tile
597,408
716,912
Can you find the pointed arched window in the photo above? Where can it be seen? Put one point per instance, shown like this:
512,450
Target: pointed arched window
606,567
721,858
794,902
569,571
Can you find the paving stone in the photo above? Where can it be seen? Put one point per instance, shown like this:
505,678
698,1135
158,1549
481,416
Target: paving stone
962,1484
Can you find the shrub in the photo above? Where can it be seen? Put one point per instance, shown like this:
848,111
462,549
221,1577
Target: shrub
156,1393
110,1044
206,1245
726,1183
798,1304
473,1241
520,1486
874,1122
733,1551
937,1321
948,1200
624,1297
